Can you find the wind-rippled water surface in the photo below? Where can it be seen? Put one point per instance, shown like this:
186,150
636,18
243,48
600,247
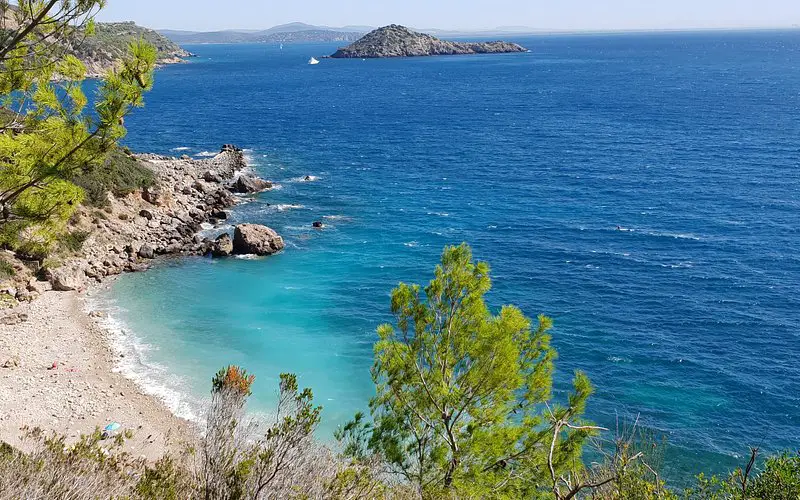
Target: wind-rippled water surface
643,190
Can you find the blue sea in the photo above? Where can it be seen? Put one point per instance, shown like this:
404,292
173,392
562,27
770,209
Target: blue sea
641,189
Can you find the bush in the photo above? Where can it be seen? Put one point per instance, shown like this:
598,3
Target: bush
73,242
6,270
120,175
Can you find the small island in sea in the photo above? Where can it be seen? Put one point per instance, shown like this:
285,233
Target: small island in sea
398,41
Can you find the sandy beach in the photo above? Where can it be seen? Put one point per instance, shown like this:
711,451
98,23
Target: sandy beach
58,375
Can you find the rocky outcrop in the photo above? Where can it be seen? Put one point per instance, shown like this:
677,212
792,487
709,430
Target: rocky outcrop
399,41
161,220
223,246
256,239
246,184
67,279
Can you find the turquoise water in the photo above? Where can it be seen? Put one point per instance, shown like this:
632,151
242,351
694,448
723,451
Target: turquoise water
688,142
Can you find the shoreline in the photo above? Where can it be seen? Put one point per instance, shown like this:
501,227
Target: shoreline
60,361
66,380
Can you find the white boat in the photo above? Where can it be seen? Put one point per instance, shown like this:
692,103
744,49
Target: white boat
313,61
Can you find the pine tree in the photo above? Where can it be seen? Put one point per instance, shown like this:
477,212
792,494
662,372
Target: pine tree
463,405
47,132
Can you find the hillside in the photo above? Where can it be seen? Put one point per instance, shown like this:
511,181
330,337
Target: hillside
110,43
399,41
292,32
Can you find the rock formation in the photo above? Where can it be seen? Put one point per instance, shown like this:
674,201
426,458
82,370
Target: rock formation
256,239
399,41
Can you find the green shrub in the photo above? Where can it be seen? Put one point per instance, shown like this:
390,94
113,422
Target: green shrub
73,242
6,270
120,175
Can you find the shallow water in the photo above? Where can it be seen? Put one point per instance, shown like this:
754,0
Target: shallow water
687,314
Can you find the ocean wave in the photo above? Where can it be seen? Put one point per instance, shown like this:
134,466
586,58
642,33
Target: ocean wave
337,217
411,244
305,178
440,214
282,207
679,265
247,256
679,236
181,148
132,362
206,154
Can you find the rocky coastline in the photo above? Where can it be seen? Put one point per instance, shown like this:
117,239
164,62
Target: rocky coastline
398,41
188,197
57,361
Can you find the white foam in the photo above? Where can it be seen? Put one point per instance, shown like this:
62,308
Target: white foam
181,148
206,154
286,206
440,214
305,178
337,217
133,363
411,244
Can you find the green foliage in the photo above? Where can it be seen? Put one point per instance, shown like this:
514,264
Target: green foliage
52,136
237,464
463,396
6,270
109,42
120,175
72,241
167,480
779,480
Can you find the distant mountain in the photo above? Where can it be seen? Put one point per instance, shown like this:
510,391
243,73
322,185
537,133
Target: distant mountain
399,41
310,36
292,32
227,36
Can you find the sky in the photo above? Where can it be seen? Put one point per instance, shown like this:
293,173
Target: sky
556,15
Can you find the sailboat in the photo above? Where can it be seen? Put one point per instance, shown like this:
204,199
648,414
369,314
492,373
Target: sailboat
313,61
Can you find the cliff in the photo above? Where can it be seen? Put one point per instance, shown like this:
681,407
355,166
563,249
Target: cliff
399,41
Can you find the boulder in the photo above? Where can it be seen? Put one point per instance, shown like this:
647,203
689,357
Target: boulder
152,195
223,246
146,252
256,239
67,279
212,176
247,184
147,214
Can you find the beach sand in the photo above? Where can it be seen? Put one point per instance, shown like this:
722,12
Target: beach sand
83,392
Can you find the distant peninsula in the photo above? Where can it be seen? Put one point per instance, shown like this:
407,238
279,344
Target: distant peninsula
110,41
399,41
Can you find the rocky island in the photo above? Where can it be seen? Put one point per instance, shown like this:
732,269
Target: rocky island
399,41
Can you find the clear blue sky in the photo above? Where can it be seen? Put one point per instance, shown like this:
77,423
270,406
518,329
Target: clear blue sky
458,14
